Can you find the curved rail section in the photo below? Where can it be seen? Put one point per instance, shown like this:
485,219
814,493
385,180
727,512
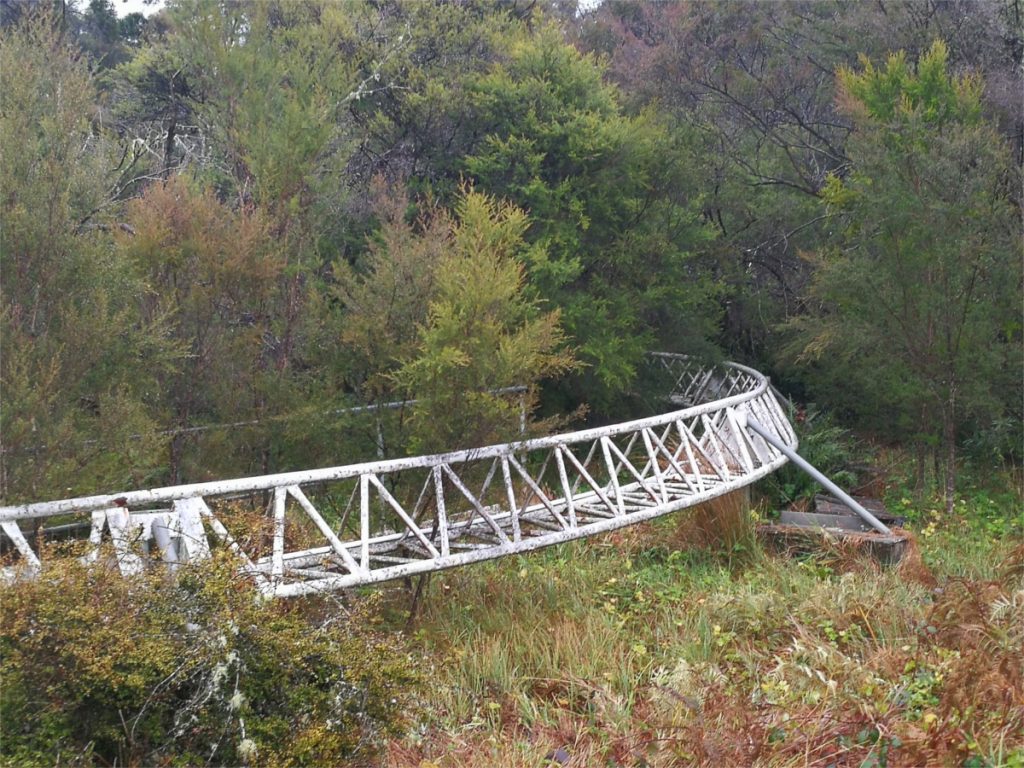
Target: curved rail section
341,527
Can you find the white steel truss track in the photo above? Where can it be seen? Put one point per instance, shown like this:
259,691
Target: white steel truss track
341,527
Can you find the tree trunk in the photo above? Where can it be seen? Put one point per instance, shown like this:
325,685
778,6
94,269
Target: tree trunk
175,458
172,127
919,469
949,437
3,472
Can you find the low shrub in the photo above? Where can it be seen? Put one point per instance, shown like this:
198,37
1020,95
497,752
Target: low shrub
98,669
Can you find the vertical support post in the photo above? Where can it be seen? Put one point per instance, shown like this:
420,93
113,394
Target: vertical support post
124,532
99,519
684,438
614,483
190,525
513,508
652,457
364,522
442,512
279,513
566,490
164,536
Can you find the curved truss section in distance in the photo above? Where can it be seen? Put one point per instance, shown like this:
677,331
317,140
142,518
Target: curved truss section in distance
341,527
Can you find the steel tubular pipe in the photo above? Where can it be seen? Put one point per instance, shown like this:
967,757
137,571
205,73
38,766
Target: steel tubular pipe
754,426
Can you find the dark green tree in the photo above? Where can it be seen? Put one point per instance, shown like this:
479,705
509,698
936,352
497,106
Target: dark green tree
613,207
918,297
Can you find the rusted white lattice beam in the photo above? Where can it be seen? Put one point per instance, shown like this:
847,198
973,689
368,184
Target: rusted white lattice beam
365,523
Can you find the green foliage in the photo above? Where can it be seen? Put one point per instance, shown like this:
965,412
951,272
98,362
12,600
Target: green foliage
212,277
440,313
480,91
375,310
987,514
918,291
827,447
898,92
757,81
272,83
483,332
100,669
608,203
413,122
79,361
670,184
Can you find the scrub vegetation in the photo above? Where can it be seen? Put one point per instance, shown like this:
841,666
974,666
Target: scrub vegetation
685,643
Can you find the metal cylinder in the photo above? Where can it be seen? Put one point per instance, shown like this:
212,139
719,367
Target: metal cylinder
752,424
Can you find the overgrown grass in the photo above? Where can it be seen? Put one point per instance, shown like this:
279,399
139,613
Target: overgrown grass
682,642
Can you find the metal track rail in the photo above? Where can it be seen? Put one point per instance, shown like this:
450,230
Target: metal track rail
341,527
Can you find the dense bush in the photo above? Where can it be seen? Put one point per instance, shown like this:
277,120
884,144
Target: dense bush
101,670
